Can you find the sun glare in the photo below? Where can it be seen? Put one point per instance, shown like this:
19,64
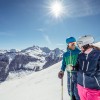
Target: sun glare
57,9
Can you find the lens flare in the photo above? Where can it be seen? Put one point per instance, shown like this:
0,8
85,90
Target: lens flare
57,9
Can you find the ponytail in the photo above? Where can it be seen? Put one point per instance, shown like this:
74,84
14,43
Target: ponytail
90,46
95,47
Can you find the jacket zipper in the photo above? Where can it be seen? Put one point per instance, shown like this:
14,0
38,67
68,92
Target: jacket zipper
87,66
83,72
83,65
70,58
86,56
83,75
97,81
83,80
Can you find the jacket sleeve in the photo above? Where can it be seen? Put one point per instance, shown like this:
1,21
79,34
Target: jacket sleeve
77,64
63,63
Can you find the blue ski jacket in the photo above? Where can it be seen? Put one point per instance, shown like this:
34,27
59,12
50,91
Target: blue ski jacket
70,57
88,67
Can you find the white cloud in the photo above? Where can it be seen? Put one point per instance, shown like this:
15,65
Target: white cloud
46,37
40,29
81,8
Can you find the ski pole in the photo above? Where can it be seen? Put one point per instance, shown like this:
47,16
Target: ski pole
70,85
62,89
70,77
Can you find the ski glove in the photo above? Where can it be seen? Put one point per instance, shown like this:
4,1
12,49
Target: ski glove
61,74
69,68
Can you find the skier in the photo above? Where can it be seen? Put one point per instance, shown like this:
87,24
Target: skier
88,66
69,60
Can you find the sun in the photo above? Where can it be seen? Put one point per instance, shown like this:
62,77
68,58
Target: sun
57,9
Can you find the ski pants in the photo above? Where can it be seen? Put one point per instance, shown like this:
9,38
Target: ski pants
88,94
72,88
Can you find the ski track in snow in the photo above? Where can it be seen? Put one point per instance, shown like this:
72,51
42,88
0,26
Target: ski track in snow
42,85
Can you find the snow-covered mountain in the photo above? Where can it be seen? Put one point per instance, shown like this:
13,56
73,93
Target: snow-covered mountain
42,85
34,58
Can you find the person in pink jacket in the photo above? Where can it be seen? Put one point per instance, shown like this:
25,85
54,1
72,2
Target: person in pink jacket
88,66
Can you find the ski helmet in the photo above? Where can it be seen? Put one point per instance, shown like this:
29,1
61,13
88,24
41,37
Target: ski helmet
70,40
85,40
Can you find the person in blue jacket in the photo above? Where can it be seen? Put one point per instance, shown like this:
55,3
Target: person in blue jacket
69,60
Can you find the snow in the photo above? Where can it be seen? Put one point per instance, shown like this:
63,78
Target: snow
38,54
31,65
14,50
34,52
42,85
18,75
3,51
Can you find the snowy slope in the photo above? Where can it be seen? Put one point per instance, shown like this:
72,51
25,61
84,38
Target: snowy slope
42,85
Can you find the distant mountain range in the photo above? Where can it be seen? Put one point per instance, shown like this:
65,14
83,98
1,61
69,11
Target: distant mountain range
31,59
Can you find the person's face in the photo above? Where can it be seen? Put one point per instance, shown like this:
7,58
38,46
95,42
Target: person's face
81,48
72,45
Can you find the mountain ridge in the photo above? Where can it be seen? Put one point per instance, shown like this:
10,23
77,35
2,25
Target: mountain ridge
33,59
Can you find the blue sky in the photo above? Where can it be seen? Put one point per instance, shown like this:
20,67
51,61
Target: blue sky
24,23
